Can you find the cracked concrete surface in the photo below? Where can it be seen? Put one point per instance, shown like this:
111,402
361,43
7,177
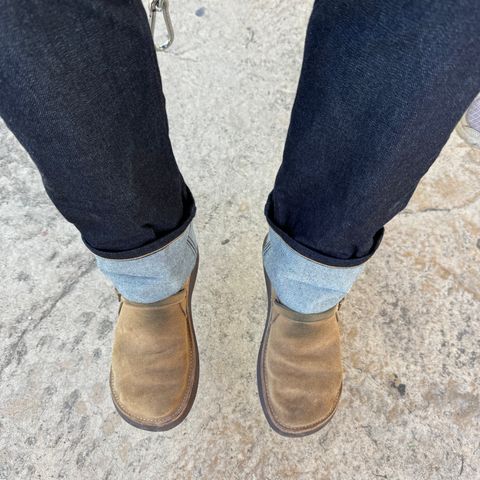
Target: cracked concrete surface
411,401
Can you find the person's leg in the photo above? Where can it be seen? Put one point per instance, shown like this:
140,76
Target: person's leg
80,89
383,84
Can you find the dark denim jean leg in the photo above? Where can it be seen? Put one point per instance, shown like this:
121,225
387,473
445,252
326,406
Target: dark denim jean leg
81,90
382,86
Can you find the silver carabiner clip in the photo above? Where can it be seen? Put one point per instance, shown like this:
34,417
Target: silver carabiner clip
161,6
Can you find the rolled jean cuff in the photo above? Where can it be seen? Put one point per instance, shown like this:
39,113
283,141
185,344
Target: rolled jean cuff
157,276
314,254
150,247
302,284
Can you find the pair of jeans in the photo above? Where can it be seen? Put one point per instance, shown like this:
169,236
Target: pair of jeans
381,88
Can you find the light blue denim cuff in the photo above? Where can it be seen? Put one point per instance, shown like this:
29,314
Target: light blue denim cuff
156,276
302,284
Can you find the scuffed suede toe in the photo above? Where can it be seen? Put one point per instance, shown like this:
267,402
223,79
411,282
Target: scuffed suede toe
154,371
299,368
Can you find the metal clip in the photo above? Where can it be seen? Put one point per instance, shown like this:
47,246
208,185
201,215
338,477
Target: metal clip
161,6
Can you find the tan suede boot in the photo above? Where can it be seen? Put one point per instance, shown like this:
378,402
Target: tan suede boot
155,367
299,370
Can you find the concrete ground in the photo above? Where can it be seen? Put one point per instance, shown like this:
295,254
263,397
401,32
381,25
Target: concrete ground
410,407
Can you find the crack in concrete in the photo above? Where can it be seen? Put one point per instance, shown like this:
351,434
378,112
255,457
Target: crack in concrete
443,209
68,287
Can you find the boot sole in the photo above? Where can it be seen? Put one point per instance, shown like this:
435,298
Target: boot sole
179,419
261,382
